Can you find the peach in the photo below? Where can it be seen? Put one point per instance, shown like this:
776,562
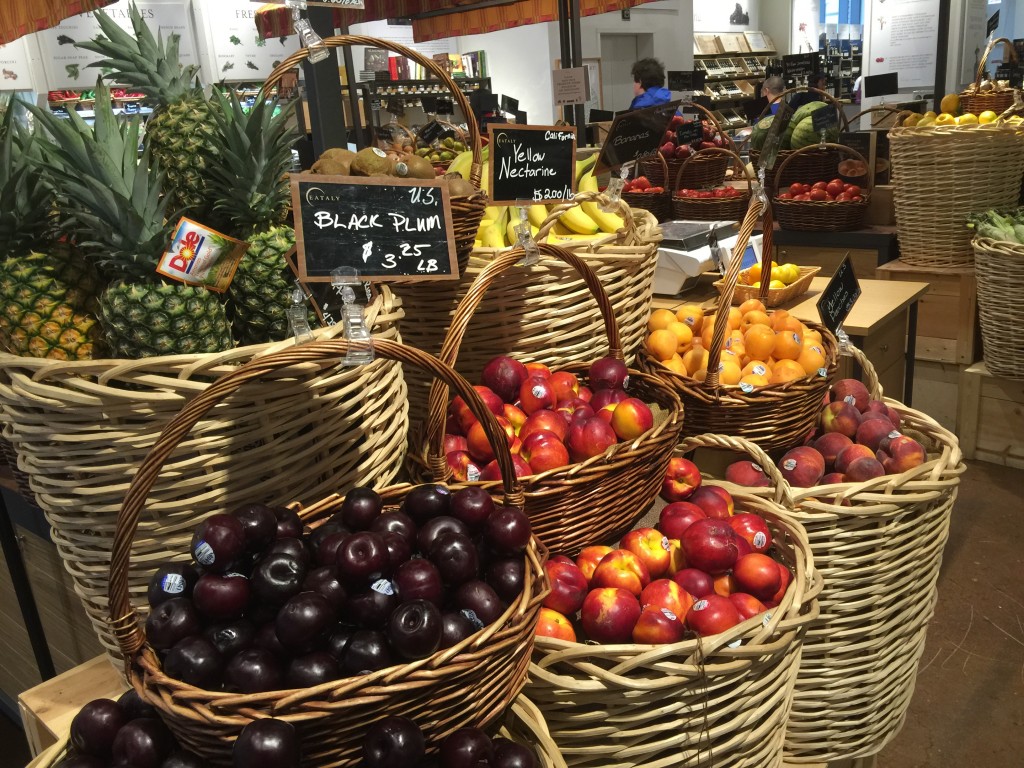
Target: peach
666,593
725,584
747,605
658,626
840,417
452,425
851,391
585,394
504,375
714,500
464,467
906,454
562,559
872,431
676,517
565,384
538,369
543,451
747,473
516,417
621,569
802,467
568,587
696,582
850,454
832,478
676,557
536,394
589,557
608,373
590,438
682,478
544,421
605,414
551,623
609,615
515,446
863,469
829,445
651,546
757,575
569,406
632,418
492,471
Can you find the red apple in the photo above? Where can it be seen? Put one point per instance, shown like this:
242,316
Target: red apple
492,471
605,397
632,418
464,468
590,438
608,615
544,451
515,416
658,626
452,425
757,574
568,587
553,624
563,559
682,478
538,369
544,421
565,385
622,569
608,373
504,375
753,529
785,576
536,394
666,593
711,615
589,557
651,546
455,443
695,581
747,605
716,502
710,545
676,517
515,446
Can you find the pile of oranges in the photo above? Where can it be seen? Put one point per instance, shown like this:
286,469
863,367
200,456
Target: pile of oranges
759,349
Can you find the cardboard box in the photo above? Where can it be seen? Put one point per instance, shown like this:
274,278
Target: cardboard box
990,417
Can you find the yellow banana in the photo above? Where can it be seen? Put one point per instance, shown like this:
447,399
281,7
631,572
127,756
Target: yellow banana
499,214
587,183
493,237
608,222
583,166
579,222
461,164
537,213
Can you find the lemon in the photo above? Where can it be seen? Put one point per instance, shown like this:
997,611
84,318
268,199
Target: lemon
945,119
777,272
776,284
967,119
930,114
911,120
790,273
988,116
950,103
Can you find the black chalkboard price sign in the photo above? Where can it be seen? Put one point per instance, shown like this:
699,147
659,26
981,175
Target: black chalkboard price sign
635,135
532,162
823,119
839,296
386,229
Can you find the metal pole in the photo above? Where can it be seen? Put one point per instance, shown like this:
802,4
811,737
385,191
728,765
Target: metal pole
323,90
358,136
565,40
580,119
941,52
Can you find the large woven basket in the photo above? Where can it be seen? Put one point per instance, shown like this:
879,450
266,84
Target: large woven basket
715,701
820,215
976,101
592,500
533,311
878,547
658,204
774,416
467,211
331,717
941,174
708,171
81,430
711,209
999,267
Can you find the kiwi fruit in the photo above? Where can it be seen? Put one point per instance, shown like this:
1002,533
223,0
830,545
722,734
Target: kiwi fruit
371,162
414,167
329,166
458,186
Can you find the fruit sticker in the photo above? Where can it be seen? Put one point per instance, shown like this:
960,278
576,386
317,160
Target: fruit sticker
202,256
383,587
173,583
203,553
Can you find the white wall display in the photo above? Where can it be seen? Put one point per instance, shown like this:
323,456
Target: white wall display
726,16
974,40
239,53
68,67
903,39
15,73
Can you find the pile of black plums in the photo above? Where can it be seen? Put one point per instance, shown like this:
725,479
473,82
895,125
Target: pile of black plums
271,606
397,742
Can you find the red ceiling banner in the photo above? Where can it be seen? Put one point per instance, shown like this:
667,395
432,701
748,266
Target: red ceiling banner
21,17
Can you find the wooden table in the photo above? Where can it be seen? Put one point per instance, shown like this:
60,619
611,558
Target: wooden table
883,324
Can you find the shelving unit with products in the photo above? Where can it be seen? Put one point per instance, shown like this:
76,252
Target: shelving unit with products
842,46
734,64
409,94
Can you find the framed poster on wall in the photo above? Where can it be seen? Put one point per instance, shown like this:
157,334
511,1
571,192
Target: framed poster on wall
15,73
596,101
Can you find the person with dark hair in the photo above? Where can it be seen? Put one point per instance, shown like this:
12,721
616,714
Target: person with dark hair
649,84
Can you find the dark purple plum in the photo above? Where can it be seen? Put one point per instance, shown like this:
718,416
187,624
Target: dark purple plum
360,508
472,506
433,528
366,651
509,754
289,524
172,580
455,627
291,546
142,743
80,760
327,551
481,599
311,669
325,581
183,759
363,557
337,642
259,524
316,537
507,531
253,671
218,542
399,550
395,522
95,727
266,743
466,747
134,707
414,629
419,579
370,608
456,558
426,501
196,661
172,621
266,639
393,742
222,597
230,637
277,579
304,621
506,577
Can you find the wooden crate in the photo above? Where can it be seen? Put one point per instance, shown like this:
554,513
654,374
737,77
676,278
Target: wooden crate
990,417
936,390
947,319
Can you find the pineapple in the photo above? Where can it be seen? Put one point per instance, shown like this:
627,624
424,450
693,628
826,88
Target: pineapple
48,297
180,131
248,186
111,199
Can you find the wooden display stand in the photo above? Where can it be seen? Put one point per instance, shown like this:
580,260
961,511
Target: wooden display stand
868,248
990,417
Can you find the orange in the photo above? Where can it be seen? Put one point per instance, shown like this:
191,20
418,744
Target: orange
675,364
684,335
812,336
811,359
759,341
789,323
788,345
735,317
662,344
777,317
754,380
751,305
659,319
692,315
754,317
728,372
695,359
786,370
752,274
757,368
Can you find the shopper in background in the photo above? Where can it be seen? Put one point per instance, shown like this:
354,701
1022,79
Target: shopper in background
819,81
772,88
649,84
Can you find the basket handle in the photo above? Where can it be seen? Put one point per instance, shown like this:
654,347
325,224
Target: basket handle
438,402
783,493
900,113
843,122
1008,48
124,620
336,41
736,161
664,166
824,145
629,226
869,374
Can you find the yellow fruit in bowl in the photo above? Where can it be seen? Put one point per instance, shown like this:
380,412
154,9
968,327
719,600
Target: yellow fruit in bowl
967,119
930,114
945,119
950,103
911,120
986,117
789,273
776,284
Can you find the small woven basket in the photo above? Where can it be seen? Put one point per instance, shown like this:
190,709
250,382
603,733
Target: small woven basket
721,700
467,210
460,135
974,100
774,416
709,171
821,215
658,205
592,500
331,718
940,175
711,209
775,296
998,266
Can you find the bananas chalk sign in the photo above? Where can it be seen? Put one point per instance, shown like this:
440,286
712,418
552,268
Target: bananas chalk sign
532,162
386,229
635,135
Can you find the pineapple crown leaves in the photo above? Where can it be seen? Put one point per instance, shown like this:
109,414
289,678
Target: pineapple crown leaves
142,60
253,153
26,195
110,196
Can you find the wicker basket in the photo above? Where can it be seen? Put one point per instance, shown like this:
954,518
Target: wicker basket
820,215
775,416
711,209
878,547
975,101
715,701
592,500
709,171
468,210
776,296
998,266
531,313
941,174
460,135
658,205
81,430
331,717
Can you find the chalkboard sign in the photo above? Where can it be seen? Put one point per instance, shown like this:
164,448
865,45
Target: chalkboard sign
687,133
430,131
686,81
688,102
387,229
429,104
445,107
798,65
823,119
635,135
839,296
531,162
508,104
1013,73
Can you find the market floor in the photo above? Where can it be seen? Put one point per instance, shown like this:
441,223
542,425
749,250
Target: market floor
968,708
